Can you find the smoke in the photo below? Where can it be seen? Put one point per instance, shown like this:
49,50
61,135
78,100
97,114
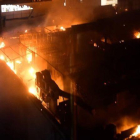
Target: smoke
71,14
125,123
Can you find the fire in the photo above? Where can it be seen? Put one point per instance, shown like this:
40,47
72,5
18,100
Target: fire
26,31
2,45
137,34
11,65
2,57
32,72
19,62
137,133
29,57
62,28
33,90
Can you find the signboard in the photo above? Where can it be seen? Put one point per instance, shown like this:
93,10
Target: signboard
20,1
109,2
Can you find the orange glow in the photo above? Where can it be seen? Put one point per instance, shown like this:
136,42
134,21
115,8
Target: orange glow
137,34
32,72
2,45
2,57
19,62
29,57
126,9
26,31
11,65
33,90
137,133
62,28
95,44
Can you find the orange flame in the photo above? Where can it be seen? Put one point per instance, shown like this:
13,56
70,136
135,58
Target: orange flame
137,133
137,35
29,57
62,28
11,65
19,62
2,45
33,90
32,72
2,57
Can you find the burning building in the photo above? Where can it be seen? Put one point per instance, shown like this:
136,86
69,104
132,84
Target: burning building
97,62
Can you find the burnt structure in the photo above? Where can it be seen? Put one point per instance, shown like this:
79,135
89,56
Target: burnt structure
101,60
49,93
84,51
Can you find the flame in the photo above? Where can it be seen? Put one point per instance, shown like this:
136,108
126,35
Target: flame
26,31
62,28
2,57
32,72
137,34
137,133
29,57
19,62
11,65
33,90
2,45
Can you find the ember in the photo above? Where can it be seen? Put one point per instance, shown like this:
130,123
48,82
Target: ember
30,74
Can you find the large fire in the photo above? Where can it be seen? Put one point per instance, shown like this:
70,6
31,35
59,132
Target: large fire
31,72
25,69
137,133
